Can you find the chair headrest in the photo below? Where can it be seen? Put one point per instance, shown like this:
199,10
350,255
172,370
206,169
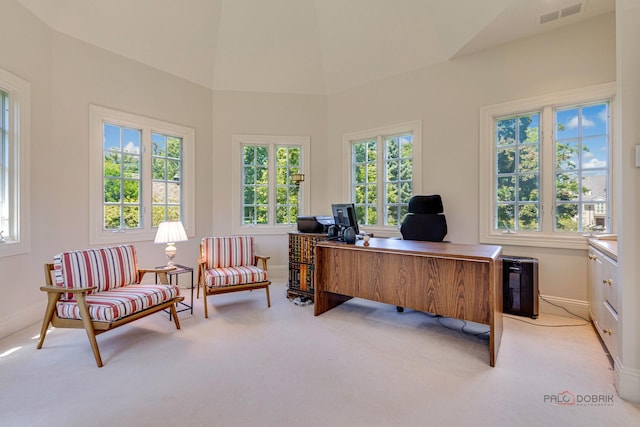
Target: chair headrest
431,204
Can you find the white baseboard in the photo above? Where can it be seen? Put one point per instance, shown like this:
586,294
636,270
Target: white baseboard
21,319
279,271
32,314
553,305
627,381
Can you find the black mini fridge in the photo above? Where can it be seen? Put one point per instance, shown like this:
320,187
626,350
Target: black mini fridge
520,286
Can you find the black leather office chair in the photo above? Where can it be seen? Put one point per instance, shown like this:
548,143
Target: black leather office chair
425,221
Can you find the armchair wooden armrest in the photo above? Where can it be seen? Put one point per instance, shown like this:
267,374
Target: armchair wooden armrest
80,294
155,270
161,272
262,259
61,290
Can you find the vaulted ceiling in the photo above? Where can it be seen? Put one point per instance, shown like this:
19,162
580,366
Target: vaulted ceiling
303,46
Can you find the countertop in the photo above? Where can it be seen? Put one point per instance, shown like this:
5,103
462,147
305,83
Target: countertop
606,244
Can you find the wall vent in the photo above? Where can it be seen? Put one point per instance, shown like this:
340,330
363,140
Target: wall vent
548,17
561,13
571,10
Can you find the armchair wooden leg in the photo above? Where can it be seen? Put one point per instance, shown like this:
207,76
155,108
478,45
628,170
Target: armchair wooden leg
174,313
268,297
88,326
204,298
48,316
199,281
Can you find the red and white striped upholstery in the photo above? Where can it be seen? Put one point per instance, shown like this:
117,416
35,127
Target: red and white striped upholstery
233,251
114,270
106,268
119,302
230,261
216,277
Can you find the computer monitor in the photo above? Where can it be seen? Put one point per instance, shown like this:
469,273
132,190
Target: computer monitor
344,215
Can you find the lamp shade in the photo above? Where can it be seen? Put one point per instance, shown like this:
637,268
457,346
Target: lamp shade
170,232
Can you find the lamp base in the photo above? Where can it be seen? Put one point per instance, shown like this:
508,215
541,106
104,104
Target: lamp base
170,251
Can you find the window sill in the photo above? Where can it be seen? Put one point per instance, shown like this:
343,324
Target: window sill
381,231
538,240
129,236
263,230
115,237
8,249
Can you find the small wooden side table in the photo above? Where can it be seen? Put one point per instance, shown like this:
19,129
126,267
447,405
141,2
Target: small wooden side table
181,269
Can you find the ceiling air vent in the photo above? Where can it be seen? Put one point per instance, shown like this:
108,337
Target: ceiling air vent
548,17
571,10
562,13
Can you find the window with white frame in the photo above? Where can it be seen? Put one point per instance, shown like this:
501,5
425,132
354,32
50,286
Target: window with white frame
15,110
4,162
517,175
266,198
545,169
142,174
384,172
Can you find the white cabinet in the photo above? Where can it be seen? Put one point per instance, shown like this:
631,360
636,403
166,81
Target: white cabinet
595,289
603,292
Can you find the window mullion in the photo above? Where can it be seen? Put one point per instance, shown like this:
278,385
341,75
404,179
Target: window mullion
271,185
547,170
146,182
5,168
381,180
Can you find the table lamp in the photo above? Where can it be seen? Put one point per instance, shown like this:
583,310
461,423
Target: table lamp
170,232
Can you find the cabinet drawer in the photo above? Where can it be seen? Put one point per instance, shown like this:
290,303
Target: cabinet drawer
609,285
608,329
596,288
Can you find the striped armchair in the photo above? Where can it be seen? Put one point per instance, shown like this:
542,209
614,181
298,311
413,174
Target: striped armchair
99,290
229,264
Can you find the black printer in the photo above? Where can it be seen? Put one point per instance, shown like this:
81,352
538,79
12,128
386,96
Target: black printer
314,224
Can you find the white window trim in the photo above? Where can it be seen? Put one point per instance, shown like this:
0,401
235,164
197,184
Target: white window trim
546,237
97,117
237,141
413,127
19,160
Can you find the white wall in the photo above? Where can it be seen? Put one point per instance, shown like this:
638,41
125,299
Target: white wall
66,76
84,75
627,365
447,98
267,114
26,52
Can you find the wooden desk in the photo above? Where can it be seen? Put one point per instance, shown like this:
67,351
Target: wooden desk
453,280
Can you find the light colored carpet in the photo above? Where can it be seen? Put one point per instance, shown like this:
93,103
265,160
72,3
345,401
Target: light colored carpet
360,364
